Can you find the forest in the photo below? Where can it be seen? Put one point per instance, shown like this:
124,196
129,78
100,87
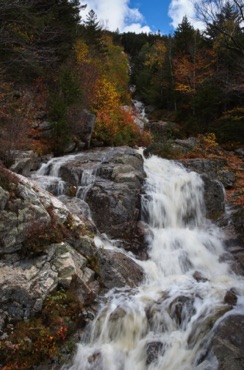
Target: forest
54,63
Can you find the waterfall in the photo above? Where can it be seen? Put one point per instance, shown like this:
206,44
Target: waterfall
48,176
165,324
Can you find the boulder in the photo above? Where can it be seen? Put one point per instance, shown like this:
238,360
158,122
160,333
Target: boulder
25,283
153,351
25,208
228,343
31,264
110,181
214,197
25,162
83,124
117,270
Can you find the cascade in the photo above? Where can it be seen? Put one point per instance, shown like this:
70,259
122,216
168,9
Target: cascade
166,322
48,176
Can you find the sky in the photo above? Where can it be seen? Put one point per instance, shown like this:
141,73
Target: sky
142,15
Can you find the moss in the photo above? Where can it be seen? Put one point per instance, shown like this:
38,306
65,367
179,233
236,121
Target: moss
30,343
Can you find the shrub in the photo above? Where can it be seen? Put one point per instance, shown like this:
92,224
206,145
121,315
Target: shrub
117,127
29,343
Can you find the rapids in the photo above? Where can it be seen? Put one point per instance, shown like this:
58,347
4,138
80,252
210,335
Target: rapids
166,323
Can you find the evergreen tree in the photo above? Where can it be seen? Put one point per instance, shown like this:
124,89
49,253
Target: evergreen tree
92,33
36,34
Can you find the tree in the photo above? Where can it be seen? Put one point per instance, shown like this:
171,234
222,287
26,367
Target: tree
224,20
91,32
185,37
36,35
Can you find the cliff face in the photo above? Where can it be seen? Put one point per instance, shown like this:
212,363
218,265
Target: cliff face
45,246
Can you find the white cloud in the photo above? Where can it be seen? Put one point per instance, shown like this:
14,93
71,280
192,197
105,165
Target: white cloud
180,8
116,14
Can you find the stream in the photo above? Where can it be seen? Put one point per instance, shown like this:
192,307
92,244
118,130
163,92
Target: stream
167,322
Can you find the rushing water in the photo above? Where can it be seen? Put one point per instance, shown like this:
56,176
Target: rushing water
165,323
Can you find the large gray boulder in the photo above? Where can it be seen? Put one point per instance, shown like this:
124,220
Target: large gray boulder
118,270
228,343
115,177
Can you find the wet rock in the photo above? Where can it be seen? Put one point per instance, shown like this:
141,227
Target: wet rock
230,297
238,220
118,313
199,277
214,197
95,361
114,198
204,324
153,351
117,270
228,343
110,181
215,177
182,309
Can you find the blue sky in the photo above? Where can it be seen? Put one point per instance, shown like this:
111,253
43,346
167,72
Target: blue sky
141,15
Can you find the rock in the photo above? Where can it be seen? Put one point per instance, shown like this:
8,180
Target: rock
227,178
240,152
189,143
25,284
199,277
153,351
230,297
213,168
228,343
114,198
118,270
70,147
27,275
95,361
4,197
162,130
204,324
46,125
83,123
25,162
210,167
238,220
41,115
182,309
110,180
214,197
76,206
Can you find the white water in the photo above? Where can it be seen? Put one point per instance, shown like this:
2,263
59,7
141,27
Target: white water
165,323
49,178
